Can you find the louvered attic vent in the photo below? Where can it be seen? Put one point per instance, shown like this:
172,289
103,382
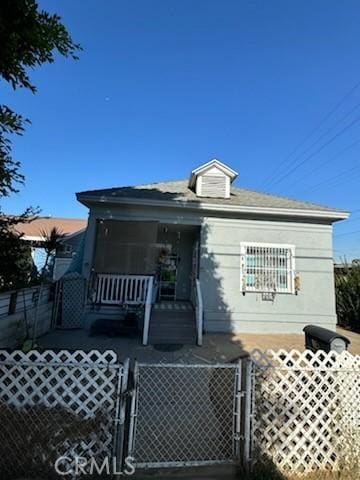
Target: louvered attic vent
212,180
212,186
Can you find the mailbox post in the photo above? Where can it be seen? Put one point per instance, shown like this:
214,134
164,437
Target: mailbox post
318,338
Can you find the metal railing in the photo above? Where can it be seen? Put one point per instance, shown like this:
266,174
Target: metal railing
147,315
115,289
267,268
199,311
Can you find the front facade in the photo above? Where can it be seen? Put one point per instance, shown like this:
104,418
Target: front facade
245,261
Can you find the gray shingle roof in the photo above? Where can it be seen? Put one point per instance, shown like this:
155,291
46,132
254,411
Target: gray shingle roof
179,191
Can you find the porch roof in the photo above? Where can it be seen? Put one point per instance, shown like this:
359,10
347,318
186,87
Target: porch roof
178,192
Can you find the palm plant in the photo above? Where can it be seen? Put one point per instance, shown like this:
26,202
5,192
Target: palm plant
51,240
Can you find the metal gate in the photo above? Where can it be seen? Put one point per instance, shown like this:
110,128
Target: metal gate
189,415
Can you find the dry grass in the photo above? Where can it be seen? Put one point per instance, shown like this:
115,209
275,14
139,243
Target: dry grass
349,468
32,437
270,473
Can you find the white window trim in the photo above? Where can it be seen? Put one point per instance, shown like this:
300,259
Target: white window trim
291,271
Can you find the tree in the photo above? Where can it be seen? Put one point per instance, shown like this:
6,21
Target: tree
29,37
17,268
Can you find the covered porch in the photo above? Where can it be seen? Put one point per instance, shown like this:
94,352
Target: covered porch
147,271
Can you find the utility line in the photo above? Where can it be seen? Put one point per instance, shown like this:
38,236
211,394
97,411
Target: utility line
347,233
332,139
325,162
308,136
353,220
323,135
330,181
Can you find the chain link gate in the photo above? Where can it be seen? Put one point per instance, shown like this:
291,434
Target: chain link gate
189,415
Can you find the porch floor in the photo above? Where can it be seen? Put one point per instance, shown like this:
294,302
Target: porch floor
217,347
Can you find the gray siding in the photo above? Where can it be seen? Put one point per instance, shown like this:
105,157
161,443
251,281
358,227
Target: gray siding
226,308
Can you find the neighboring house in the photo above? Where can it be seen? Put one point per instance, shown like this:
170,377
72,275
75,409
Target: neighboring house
247,261
344,268
73,230
69,246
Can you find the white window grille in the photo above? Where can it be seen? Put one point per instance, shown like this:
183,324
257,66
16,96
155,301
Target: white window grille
267,267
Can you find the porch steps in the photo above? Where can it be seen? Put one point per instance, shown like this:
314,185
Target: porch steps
172,323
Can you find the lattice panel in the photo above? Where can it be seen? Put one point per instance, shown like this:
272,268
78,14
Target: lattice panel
72,304
54,404
307,408
185,414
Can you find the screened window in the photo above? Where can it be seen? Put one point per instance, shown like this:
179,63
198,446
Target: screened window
267,267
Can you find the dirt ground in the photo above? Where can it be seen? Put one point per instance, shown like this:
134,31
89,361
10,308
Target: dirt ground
288,341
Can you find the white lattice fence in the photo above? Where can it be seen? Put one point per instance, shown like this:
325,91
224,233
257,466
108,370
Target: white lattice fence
307,413
58,404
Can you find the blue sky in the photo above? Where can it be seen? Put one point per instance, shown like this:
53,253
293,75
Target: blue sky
165,85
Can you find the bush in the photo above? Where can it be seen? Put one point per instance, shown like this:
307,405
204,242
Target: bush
347,285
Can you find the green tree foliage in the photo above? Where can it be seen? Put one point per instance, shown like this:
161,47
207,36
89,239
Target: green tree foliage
347,284
29,37
17,268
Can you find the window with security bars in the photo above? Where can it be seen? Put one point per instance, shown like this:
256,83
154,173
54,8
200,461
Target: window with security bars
267,268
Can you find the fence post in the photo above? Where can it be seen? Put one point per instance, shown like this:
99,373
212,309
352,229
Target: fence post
237,412
120,418
248,420
133,411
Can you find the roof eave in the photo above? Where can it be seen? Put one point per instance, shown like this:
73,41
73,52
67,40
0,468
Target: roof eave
335,215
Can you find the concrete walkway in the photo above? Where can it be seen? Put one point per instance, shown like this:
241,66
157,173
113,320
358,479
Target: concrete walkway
217,347
215,472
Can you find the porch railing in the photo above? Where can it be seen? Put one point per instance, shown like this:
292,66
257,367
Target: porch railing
148,306
115,289
199,311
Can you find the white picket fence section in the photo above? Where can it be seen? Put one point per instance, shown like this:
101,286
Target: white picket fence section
307,408
114,289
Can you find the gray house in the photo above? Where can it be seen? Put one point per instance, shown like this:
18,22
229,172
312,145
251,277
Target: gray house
200,255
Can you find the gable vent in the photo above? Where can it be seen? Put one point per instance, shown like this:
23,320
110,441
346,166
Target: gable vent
214,186
213,180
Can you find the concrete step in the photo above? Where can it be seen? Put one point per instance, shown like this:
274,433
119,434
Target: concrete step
173,306
172,326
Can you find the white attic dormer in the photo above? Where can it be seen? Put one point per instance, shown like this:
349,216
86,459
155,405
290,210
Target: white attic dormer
213,180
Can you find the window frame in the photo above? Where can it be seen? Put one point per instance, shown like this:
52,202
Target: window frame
290,270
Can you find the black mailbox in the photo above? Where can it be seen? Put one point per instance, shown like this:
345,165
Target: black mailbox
318,338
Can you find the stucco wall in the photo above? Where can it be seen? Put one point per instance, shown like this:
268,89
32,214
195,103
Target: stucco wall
226,308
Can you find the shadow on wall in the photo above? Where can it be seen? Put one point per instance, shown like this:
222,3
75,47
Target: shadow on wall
212,284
